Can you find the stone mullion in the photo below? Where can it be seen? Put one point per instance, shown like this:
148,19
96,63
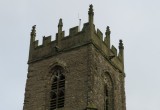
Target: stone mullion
57,91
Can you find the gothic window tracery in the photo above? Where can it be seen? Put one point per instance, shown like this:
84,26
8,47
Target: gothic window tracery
57,88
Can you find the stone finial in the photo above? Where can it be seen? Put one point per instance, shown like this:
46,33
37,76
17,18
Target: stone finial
60,24
121,47
108,32
121,54
59,34
107,38
33,32
91,9
32,39
90,13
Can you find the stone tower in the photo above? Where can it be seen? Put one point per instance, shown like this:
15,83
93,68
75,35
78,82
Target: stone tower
75,72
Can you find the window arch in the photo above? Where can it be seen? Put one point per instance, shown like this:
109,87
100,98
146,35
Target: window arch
57,88
108,92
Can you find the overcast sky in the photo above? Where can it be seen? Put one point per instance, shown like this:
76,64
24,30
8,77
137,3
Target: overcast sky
137,22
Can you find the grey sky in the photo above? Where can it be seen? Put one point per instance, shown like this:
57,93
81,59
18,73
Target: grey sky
134,21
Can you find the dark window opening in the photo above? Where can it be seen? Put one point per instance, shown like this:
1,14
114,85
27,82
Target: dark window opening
106,99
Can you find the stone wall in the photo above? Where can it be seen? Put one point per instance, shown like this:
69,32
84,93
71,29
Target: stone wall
75,62
104,74
87,73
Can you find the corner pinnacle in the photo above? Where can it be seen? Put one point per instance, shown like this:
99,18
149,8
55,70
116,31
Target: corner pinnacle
108,32
121,44
33,31
60,22
91,14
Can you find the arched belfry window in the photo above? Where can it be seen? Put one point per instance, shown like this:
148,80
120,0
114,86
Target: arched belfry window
57,88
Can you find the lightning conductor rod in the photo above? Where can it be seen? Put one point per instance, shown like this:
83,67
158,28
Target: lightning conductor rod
79,27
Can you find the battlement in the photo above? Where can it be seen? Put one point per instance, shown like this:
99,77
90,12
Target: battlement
76,38
73,31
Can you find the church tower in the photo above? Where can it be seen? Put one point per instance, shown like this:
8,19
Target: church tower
80,71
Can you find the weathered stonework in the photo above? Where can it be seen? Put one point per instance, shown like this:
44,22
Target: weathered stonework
91,68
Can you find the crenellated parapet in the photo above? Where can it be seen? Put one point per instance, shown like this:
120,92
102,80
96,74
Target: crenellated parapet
77,38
